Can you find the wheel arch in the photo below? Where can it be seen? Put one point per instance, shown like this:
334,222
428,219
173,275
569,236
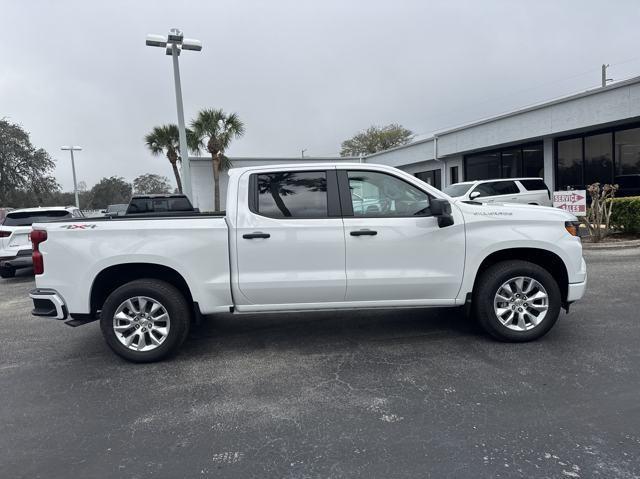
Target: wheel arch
541,257
114,276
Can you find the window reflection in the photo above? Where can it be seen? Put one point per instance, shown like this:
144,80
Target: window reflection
300,194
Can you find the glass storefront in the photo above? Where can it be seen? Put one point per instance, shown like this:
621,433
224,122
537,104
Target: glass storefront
517,161
603,157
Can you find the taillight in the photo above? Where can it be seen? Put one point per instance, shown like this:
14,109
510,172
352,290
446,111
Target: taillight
37,237
4,234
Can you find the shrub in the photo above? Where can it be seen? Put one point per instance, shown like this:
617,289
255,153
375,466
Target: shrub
625,214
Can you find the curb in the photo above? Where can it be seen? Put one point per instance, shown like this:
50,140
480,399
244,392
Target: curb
615,245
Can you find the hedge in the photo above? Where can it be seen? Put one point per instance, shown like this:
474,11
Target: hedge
625,214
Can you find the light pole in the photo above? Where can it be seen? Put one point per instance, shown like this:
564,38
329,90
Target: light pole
173,44
71,149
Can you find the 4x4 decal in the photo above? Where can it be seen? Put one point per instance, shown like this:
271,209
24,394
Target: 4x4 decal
79,227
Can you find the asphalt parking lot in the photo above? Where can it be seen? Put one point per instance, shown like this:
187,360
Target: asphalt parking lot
404,393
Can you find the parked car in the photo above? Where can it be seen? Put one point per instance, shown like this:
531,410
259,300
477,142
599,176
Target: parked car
15,244
118,209
146,204
531,191
292,240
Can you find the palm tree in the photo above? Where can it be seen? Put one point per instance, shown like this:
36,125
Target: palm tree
214,130
166,139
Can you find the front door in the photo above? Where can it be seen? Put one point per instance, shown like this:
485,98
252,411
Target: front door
290,244
395,249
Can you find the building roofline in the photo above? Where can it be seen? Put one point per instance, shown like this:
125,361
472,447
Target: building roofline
281,158
519,111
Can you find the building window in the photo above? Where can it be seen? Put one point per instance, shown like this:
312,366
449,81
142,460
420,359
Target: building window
453,175
627,152
598,162
523,160
569,164
432,177
533,161
511,163
484,166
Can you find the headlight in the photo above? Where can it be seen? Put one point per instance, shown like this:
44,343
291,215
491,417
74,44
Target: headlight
572,227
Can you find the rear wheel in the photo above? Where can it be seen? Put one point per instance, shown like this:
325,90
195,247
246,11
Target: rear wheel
7,272
145,320
517,301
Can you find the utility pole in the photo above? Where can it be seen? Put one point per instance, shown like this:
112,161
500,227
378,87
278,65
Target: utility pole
302,152
604,75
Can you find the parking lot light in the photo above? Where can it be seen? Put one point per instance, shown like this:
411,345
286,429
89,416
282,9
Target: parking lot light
71,149
173,44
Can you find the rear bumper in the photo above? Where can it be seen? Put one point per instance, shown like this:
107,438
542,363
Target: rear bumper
17,262
48,303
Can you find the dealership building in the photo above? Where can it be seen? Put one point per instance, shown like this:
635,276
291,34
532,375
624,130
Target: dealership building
570,142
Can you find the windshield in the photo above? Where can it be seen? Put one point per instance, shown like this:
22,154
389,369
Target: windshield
27,218
458,189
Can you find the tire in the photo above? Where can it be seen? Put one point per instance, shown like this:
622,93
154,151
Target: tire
135,303
523,325
7,272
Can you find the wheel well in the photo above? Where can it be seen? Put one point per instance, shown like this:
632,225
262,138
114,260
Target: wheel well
546,259
111,278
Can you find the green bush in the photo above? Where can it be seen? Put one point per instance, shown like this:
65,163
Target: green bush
625,214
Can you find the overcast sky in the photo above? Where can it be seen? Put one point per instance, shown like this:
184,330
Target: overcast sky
301,74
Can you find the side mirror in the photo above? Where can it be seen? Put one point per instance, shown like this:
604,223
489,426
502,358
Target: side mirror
474,195
441,209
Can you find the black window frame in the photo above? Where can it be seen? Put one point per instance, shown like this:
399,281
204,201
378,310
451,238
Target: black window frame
333,202
345,195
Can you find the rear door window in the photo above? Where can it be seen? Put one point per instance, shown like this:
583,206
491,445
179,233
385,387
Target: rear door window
27,218
291,194
497,188
534,185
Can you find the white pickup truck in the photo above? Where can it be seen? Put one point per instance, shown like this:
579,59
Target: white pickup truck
308,238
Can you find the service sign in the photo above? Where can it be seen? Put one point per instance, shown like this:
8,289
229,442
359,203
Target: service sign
573,201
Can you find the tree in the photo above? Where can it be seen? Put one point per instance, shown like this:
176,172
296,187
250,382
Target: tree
151,184
25,172
376,138
110,191
165,139
598,218
214,130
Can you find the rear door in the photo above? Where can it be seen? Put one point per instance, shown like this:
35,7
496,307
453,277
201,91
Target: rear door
395,250
290,241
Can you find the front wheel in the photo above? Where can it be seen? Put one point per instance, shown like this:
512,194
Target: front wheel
517,301
145,320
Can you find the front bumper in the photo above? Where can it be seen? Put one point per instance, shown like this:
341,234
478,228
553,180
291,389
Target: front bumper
49,303
576,291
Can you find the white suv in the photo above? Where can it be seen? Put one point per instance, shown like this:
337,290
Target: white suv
15,244
530,191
